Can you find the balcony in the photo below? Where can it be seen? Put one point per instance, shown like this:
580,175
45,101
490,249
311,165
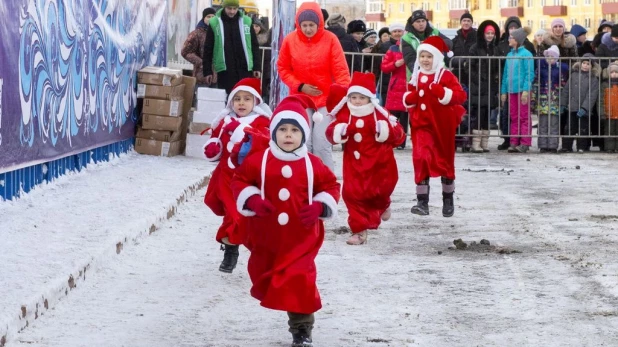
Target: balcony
455,14
375,17
429,14
609,8
555,10
512,11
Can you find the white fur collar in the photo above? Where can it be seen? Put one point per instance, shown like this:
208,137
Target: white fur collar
360,111
280,154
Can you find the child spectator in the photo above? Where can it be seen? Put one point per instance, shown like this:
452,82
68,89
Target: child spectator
609,107
578,100
434,103
369,165
551,78
285,191
516,84
243,111
394,64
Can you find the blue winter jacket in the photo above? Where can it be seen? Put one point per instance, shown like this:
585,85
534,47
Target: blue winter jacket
518,73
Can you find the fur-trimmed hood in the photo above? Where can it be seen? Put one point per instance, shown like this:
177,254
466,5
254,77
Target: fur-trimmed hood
607,41
569,40
480,33
596,68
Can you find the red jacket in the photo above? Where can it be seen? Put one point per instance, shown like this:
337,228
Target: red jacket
398,84
318,61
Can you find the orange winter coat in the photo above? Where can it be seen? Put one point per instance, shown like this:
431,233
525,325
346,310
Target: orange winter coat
318,61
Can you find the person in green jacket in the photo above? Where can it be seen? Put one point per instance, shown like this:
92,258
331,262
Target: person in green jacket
231,49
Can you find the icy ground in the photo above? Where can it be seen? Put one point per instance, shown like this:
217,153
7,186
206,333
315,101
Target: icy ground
403,288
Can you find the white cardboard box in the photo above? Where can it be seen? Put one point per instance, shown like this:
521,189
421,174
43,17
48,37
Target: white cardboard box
209,106
212,94
206,114
195,145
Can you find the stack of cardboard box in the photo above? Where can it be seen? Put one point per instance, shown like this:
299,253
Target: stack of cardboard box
168,96
210,102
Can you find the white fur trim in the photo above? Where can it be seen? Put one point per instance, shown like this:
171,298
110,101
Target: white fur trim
248,89
405,95
450,54
286,171
361,111
284,194
329,201
360,123
448,95
421,93
229,146
317,117
357,155
244,195
361,90
280,154
337,137
384,131
230,164
283,218
424,79
213,140
437,55
239,133
339,106
358,137
274,123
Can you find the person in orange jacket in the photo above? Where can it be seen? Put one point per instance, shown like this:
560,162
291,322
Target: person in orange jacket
310,61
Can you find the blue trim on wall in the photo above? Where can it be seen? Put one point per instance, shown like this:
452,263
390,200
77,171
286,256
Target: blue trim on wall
14,183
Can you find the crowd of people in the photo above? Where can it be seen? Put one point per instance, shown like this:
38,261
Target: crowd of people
274,183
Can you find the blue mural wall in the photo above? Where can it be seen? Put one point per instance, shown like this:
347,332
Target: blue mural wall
68,74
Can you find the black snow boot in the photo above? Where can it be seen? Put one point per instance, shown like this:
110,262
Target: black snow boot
422,199
301,339
448,207
230,258
505,145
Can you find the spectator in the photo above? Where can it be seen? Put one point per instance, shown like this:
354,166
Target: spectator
310,61
609,106
417,30
357,29
485,83
608,47
264,38
580,35
371,39
567,44
538,40
384,35
231,46
395,33
325,15
394,67
336,24
194,47
605,26
465,38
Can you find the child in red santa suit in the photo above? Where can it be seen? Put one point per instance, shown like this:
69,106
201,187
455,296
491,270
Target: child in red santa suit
369,165
434,103
286,192
244,110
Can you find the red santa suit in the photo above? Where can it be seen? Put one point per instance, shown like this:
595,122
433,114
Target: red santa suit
434,103
369,167
219,196
283,250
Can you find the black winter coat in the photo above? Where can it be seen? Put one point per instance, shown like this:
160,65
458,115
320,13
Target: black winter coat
607,49
409,53
461,47
349,45
485,73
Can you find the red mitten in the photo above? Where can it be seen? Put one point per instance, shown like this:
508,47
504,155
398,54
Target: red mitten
212,150
310,213
231,126
437,90
410,98
261,207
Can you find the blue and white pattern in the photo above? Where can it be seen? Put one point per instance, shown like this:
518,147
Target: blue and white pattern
77,65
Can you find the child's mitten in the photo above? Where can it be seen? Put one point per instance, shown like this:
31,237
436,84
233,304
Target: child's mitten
582,113
310,213
211,150
261,207
437,90
231,126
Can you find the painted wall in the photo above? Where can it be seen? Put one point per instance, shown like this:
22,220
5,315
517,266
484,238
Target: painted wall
68,74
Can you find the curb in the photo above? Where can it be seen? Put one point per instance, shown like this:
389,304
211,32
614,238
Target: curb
47,298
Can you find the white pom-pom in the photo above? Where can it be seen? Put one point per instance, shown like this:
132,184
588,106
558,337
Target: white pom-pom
450,54
317,117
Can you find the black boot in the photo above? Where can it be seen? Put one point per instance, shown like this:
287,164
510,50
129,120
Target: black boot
230,258
301,339
448,207
422,200
505,145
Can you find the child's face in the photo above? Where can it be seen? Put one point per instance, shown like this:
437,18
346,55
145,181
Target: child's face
243,103
358,99
289,137
489,35
358,36
551,61
425,60
512,42
585,66
613,74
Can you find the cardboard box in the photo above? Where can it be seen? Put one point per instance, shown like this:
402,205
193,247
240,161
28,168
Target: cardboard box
189,94
160,92
195,145
159,135
213,94
210,106
171,108
158,75
161,148
198,128
156,122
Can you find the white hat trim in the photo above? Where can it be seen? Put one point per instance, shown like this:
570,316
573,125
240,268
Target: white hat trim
274,123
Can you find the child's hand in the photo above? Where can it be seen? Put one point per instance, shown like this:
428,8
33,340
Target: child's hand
261,207
582,113
231,126
410,98
211,150
437,90
524,98
310,214
563,109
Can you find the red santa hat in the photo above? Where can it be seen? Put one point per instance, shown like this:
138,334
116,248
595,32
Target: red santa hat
254,87
294,108
365,84
436,46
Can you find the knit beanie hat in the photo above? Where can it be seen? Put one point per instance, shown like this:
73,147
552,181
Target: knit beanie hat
230,3
396,26
369,33
336,19
418,14
489,28
558,22
552,52
605,24
613,67
383,31
519,35
466,15
540,32
356,26
615,30
207,11
310,16
324,14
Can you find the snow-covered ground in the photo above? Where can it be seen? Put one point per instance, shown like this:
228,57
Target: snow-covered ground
403,288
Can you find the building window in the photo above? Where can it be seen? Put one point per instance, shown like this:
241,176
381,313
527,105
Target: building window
586,2
542,24
488,4
587,23
542,2
437,5
401,7
573,2
458,4
529,3
530,23
557,2
573,22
